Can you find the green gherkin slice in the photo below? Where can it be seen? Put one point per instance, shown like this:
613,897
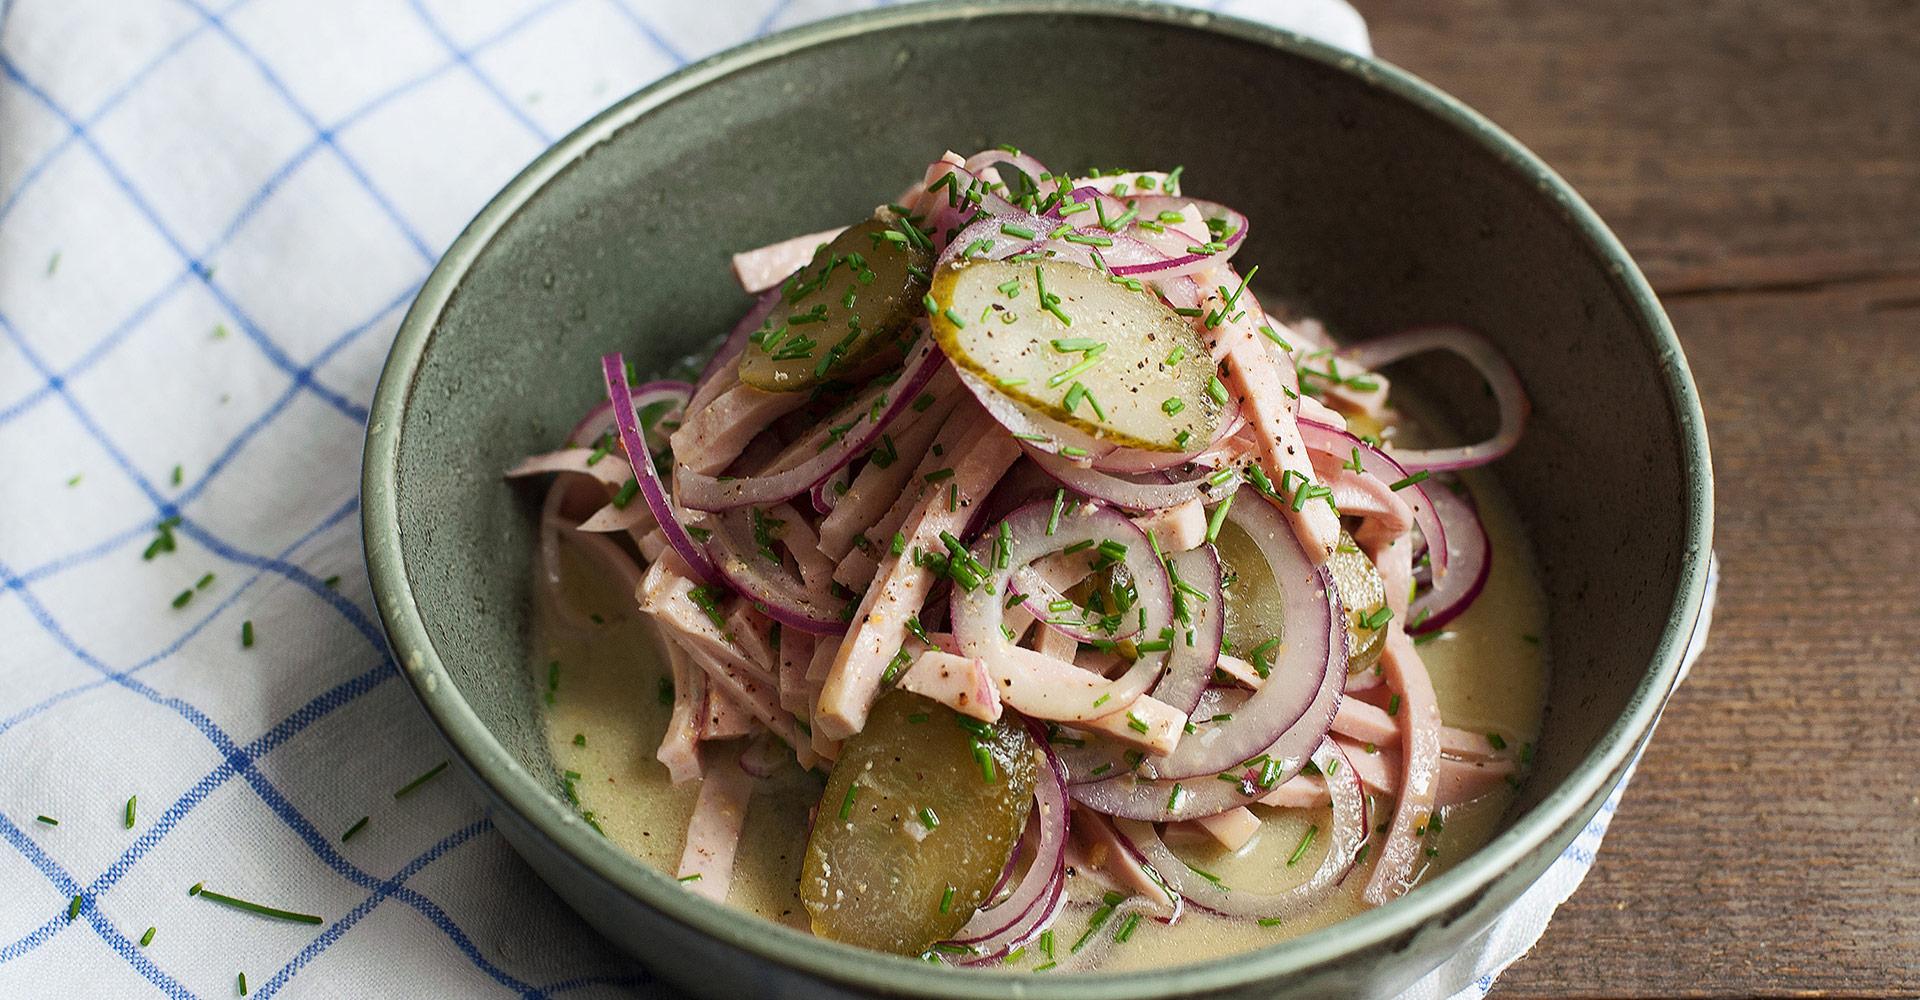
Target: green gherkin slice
848,302
1149,384
1364,596
877,873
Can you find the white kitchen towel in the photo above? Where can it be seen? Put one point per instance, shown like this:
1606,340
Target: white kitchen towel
213,214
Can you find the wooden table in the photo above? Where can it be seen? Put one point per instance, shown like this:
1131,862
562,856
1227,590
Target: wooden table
1762,163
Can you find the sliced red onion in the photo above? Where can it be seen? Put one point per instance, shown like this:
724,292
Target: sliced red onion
979,163
1469,556
1036,900
767,582
1035,531
1189,262
1189,667
826,496
992,228
1284,720
600,419
1148,491
614,367
1479,352
1379,465
823,452
1348,831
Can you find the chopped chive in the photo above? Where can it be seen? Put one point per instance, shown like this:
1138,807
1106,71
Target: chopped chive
1135,723
1531,638
620,499
1378,618
205,582
1018,231
332,581
664,691
1497,741
1393,705
265,911
1176,798
73,908
553,680
48,820
579,739
846,804
1172,406
695,877
1059,502
423,779
929,818
1526,753
1272,921
1043,968
147,938
246,634
355,828
1418,477
918,717
1065,375
1218,518
1126,928
1300,851
181,600
954,318
132,803
946,900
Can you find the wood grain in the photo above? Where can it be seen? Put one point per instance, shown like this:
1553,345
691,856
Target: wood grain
1762,162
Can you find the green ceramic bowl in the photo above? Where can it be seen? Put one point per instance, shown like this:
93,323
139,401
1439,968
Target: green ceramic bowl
1377,203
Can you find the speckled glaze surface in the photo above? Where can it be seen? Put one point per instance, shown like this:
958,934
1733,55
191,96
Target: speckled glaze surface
1376,203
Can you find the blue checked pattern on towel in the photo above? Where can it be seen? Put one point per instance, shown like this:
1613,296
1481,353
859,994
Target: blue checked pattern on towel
213,214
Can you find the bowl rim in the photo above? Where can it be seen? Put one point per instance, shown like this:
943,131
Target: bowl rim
1565,809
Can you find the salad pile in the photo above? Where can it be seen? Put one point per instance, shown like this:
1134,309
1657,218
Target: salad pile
1012,513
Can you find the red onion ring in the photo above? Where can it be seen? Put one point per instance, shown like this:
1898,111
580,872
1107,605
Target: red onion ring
1144,492
778,592
1469,554
978,614
830,454
599,419
1348,831
640,459
1479,352
1284,720
1036,900
1379,465
1189,263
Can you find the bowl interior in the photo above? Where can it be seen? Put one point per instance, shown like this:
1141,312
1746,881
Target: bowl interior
1374,205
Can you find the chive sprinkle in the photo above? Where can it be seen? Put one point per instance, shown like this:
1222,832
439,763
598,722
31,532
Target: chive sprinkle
1218,518
1126,928
846,804
695,877
243,984
49,820
131,803
147,938
1418,477
946,900
355,828
1305,840
241,904
1496,741
579,739
1393,705
246,634
205,582
1215,390
180,600
423,779
331,582
1274,921
73,908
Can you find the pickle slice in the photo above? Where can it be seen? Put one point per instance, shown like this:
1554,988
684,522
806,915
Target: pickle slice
857,292
920,815
1364,595
1115,363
